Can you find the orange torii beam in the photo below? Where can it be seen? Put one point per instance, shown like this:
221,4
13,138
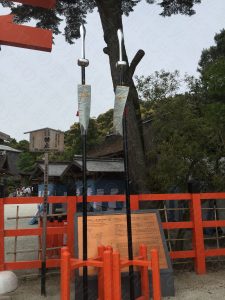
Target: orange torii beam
39,3
24,36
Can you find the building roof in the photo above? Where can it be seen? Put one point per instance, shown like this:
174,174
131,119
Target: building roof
54,169
46,128
105,165
94,165
4,137
8,149
111,147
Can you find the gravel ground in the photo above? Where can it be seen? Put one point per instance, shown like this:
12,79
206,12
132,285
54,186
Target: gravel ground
188,285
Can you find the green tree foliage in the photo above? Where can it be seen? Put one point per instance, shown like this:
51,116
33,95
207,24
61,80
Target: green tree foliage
75,12
156,87
187,131
97,131
26,162
212,69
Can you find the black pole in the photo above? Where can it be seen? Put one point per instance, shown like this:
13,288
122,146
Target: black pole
83,79
44,223
127,191
83,63
128,210
85,273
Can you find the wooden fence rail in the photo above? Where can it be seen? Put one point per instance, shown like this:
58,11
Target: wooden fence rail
196,224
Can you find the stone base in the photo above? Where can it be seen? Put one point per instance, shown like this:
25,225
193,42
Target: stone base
8,282
167,285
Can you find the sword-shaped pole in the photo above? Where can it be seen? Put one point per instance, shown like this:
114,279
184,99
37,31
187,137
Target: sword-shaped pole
83,63
121,65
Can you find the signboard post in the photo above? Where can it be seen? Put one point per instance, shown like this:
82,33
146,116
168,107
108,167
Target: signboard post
45,140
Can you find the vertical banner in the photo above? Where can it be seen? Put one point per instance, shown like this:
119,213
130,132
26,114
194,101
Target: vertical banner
120,102
84,106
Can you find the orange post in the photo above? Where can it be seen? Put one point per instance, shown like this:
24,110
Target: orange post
101,275
144,273
71,210
107,269
116,276
65,273
155,275
198,239
2,244
134,202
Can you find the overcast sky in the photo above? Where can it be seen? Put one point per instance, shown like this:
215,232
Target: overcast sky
40,89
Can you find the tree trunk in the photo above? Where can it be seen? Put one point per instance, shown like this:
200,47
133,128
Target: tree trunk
111,19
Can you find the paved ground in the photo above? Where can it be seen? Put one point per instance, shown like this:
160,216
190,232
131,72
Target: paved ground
188,285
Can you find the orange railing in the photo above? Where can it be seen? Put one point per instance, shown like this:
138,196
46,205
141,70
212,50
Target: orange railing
110,265
198,252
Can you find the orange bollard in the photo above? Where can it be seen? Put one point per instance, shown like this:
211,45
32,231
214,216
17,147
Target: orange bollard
107,270
144,273
101,250
155,275
65,274
116,276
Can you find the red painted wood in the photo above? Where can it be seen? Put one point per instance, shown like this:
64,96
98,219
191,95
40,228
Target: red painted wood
182,254
2,244
159,197
219,223
204,196
34,264
65,273
34,231
215,252
199,253
198,241
71,210
134,202
24,36
38,3
175,225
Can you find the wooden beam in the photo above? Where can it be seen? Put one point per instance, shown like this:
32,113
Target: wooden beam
38,3
24,36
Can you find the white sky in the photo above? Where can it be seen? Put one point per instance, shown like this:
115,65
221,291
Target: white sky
40,89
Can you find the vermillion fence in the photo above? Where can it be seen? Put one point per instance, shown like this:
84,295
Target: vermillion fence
195,223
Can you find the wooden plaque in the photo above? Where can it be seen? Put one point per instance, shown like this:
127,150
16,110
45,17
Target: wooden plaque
111,229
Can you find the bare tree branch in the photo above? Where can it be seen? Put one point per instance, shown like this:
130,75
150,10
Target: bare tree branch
136,60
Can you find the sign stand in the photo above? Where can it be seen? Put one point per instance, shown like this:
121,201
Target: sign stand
45,140
44,220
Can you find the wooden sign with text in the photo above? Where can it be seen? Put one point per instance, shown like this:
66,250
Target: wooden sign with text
110,229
